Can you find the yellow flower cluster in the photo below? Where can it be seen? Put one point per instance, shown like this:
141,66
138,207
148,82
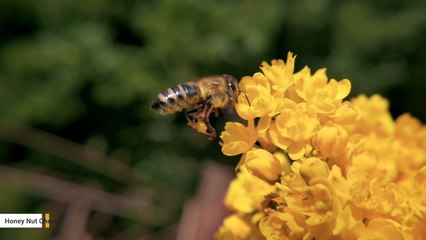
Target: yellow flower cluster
314,166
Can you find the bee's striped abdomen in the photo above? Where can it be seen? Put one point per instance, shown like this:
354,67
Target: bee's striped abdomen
177,98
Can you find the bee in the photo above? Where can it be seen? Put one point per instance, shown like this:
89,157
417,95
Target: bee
200,98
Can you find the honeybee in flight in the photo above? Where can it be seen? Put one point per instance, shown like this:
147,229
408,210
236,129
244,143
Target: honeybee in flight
200,98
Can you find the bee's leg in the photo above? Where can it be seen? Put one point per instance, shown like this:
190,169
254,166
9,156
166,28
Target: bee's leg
195,114
210,132
191,115
198,118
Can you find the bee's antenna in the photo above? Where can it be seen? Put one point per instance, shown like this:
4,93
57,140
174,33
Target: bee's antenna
246,97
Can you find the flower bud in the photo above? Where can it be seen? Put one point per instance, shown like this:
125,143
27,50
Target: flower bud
263,164
313,168
330,140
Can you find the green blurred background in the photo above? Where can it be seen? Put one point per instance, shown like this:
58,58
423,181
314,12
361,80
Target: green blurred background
77,79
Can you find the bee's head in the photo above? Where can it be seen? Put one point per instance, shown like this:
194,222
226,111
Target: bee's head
232,87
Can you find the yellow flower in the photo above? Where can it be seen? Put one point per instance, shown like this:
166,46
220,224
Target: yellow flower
378,228
256,99
246,193
340,184
322,95
280,74
260,103
420,178
346,115
410,145
313,168
308,205
234,228
293,129
373,199
284,161
330,140
262,164
407,130
417,196
339,169
238,139
374,116
376,156
419,230
258,79
266,143
277,225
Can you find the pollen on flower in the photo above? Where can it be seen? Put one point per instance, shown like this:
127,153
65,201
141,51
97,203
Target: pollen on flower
317,166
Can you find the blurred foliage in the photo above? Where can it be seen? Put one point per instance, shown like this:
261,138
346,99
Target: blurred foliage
83,73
